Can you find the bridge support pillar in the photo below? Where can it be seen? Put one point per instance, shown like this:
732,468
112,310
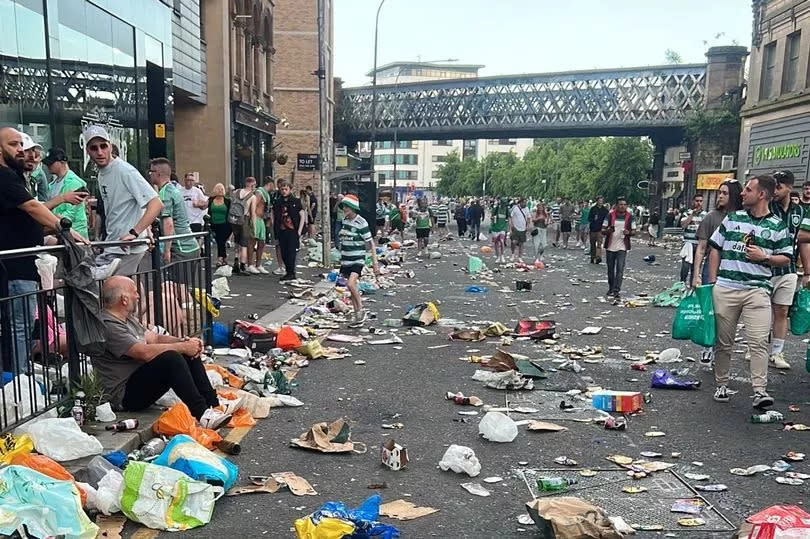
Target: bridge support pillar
661,140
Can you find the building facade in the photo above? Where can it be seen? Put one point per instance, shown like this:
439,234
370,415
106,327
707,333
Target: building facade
223,90
775,131
418,162
67,63
295,89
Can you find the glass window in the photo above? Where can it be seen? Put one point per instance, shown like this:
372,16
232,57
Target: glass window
791,71
768,70
8,29
31,29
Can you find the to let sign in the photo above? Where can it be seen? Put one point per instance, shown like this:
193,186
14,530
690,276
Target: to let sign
308,161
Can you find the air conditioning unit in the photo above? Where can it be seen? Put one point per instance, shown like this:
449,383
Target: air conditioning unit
727,162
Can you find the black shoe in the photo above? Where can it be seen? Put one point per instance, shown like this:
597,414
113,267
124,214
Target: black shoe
287,278
598,260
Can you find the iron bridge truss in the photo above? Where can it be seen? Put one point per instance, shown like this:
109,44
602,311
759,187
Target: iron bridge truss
625,101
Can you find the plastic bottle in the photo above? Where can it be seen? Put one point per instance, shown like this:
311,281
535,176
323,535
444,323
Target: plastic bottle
124,424
78,409
554,484
393,322
98,468
771,416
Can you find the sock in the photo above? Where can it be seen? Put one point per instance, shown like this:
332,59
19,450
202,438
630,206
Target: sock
777,345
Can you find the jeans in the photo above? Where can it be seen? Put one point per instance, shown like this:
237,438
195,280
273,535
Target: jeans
476,229
288,243
170,370
462,227
615,269
21,316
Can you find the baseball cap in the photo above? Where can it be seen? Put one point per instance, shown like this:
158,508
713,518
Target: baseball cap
54,155
95,131
28,142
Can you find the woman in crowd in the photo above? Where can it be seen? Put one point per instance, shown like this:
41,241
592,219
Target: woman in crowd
218,206
539,232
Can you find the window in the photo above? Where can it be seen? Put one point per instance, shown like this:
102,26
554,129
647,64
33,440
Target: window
503,141
384,145
790,78
768,70
439,158
442,142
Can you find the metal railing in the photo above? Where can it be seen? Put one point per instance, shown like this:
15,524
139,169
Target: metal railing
41,360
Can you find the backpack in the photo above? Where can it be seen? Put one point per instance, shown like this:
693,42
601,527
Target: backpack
236,215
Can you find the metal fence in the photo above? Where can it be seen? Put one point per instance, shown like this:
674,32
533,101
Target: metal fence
40,357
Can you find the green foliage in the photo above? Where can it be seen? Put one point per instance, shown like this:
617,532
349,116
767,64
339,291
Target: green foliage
672,57
576,168
93,390
714,124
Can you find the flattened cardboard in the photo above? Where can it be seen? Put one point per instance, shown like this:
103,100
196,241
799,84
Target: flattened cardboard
403,510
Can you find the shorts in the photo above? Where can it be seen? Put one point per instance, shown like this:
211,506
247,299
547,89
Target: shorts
196,227
346,271
398,225
555,226
422,233
652,230
238,237
565,226
784,287
498,236
518,236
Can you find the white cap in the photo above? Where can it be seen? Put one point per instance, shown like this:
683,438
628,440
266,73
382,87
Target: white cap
95,131
29,143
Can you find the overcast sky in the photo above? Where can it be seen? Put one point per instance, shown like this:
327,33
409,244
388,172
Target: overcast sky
534,36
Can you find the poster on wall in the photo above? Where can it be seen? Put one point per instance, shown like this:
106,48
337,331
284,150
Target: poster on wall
711,181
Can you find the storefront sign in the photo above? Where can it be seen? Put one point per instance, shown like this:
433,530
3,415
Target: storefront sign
713,180
308,161
778,152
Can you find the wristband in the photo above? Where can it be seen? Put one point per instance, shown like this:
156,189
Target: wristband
134,232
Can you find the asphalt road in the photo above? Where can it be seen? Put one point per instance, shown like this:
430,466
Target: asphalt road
408,386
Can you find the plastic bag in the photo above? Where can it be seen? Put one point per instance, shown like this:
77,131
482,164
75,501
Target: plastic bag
12,446
108,494
334,518
220,287
780,522
325,528
184,454
49,467
497,427
460,459
166,499
46,267
229,378
687,318
662,379
62,439
287,339
241,418
30,498
703,334
474,264
17,397
800,312
178,420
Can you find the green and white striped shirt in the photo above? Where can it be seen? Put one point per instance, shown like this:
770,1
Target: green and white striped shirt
769,233
690,232
354,234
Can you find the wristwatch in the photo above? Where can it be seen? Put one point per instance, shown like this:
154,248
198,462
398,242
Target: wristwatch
134,232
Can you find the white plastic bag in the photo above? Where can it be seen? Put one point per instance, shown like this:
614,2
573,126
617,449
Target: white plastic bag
105,414
17,396
460,459
224,271
168,399
220,288
214,378
46,267
61,439
108,494
497,427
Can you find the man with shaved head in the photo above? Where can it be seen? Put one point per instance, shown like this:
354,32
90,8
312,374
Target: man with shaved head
22,219
138,366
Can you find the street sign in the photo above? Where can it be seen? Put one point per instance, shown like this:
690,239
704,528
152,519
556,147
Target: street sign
340,149
308,161
160,130
683,156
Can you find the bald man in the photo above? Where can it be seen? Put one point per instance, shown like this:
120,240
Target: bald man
22,219
138,366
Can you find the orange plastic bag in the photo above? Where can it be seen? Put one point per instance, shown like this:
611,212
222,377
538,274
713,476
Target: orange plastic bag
178,420
287,339
49,467
241,418
230,378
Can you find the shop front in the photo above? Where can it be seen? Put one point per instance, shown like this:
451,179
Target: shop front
96,67
782,144
253,153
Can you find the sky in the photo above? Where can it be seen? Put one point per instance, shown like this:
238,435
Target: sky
533,36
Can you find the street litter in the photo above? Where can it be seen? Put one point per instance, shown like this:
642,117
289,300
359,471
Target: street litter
719,487
405,510
650,454
392,340
543,426
459,398
634,490
691,522
696,476
751,470
789,481
588,473
615,423
569,517
496,329
475,289
789,521
654,434
625,402
508,380
328,438
692,506
423,314
565,461
797,475
393,425
793,456
536,329
591,330
476,489
60,439
497,427
796,426
468,335
460,459
184,454
393,455
525,519
662,379
493,479
335,520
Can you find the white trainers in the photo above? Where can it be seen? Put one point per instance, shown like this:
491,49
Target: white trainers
253,270
263,270
278,271
229,407
213,419
778,361
106,271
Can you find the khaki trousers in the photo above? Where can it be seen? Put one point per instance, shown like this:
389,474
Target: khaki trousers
754,306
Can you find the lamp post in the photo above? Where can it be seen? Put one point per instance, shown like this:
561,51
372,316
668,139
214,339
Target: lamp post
374,90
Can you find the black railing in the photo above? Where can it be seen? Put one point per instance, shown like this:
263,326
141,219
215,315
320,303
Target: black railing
40,357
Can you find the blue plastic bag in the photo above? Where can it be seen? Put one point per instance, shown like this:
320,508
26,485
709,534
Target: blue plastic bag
364,518
184,454
221,335
475,289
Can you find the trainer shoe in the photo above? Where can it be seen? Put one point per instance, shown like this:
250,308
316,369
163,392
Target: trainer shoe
253,270
762,400
721,394
778,361
213,419
106,271
279,271
263,270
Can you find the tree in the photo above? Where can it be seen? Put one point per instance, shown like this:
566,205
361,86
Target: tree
672,57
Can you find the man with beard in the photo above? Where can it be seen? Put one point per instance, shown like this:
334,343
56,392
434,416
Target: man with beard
690,224
729,199
35,177
22,219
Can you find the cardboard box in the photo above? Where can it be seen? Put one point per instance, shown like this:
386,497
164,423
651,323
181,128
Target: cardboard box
625,402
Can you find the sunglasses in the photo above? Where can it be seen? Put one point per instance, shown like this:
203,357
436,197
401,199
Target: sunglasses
97,147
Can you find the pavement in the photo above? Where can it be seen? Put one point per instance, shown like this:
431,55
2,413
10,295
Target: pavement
407,385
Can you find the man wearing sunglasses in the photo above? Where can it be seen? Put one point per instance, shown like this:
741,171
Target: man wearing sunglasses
130,202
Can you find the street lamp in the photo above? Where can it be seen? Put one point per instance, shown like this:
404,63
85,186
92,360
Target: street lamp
374,91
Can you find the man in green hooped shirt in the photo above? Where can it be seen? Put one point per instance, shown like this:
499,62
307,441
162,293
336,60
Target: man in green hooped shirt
66,192
583,227
395,221
173,220
497,228
423,225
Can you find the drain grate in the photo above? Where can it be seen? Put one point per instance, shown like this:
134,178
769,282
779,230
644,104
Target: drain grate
650,508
